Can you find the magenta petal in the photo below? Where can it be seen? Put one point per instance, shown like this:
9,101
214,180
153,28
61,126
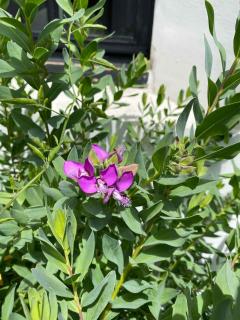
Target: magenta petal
109,175
122,199
125,181
89,167
108,195
100,152
88,184
73,169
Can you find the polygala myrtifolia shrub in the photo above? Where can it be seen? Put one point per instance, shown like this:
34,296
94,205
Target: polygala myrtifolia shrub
99,225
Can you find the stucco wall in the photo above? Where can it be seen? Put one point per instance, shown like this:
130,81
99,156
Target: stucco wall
178,40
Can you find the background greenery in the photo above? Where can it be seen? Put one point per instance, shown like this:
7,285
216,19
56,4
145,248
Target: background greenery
66,256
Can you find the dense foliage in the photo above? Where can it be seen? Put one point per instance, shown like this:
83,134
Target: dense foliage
68,254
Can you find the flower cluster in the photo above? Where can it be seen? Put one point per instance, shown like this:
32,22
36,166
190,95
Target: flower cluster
110,181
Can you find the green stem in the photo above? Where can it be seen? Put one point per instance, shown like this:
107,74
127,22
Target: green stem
74,287
52,110
123,277
221,88
127,269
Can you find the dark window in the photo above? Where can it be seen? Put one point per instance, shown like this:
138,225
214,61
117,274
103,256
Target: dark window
130,20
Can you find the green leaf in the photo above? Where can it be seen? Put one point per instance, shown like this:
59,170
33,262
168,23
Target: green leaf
136,285
5,197
8,303
95,208
105,63
182,119
14,30
89,51
73,154
223,310
131,218
34,196
236,40
159,158
198,111
66,5
212,91
16,316
113,251
8,228
166,236
225,292
19,101
219,121
99,297
36,151
161,95
210,13
6,70
159,295
51,253
183,191
228,152
53,193
40,53
51,283
130,301
151,255
98,6
57,221
58,23
180,308
174,181
208,58
58,165
56,121
27,125
85,258
54,306
6,93
71,231
193,84
25,273
151,212
227,282
68,189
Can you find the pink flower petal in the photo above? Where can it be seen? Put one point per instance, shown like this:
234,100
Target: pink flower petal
100,152
109,175
102,187
73,169
108,195
88,184
122,199
89,167
125,181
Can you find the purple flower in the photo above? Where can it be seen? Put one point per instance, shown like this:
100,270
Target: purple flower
110,182
103,155
109,185
100,152
74,170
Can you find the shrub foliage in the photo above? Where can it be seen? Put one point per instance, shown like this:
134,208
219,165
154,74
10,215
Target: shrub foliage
67,255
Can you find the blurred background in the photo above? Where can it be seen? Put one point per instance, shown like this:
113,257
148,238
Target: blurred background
169,32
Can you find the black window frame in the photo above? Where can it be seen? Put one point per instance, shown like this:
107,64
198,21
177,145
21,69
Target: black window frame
121,46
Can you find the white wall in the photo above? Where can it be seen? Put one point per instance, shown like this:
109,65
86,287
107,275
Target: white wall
178,41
